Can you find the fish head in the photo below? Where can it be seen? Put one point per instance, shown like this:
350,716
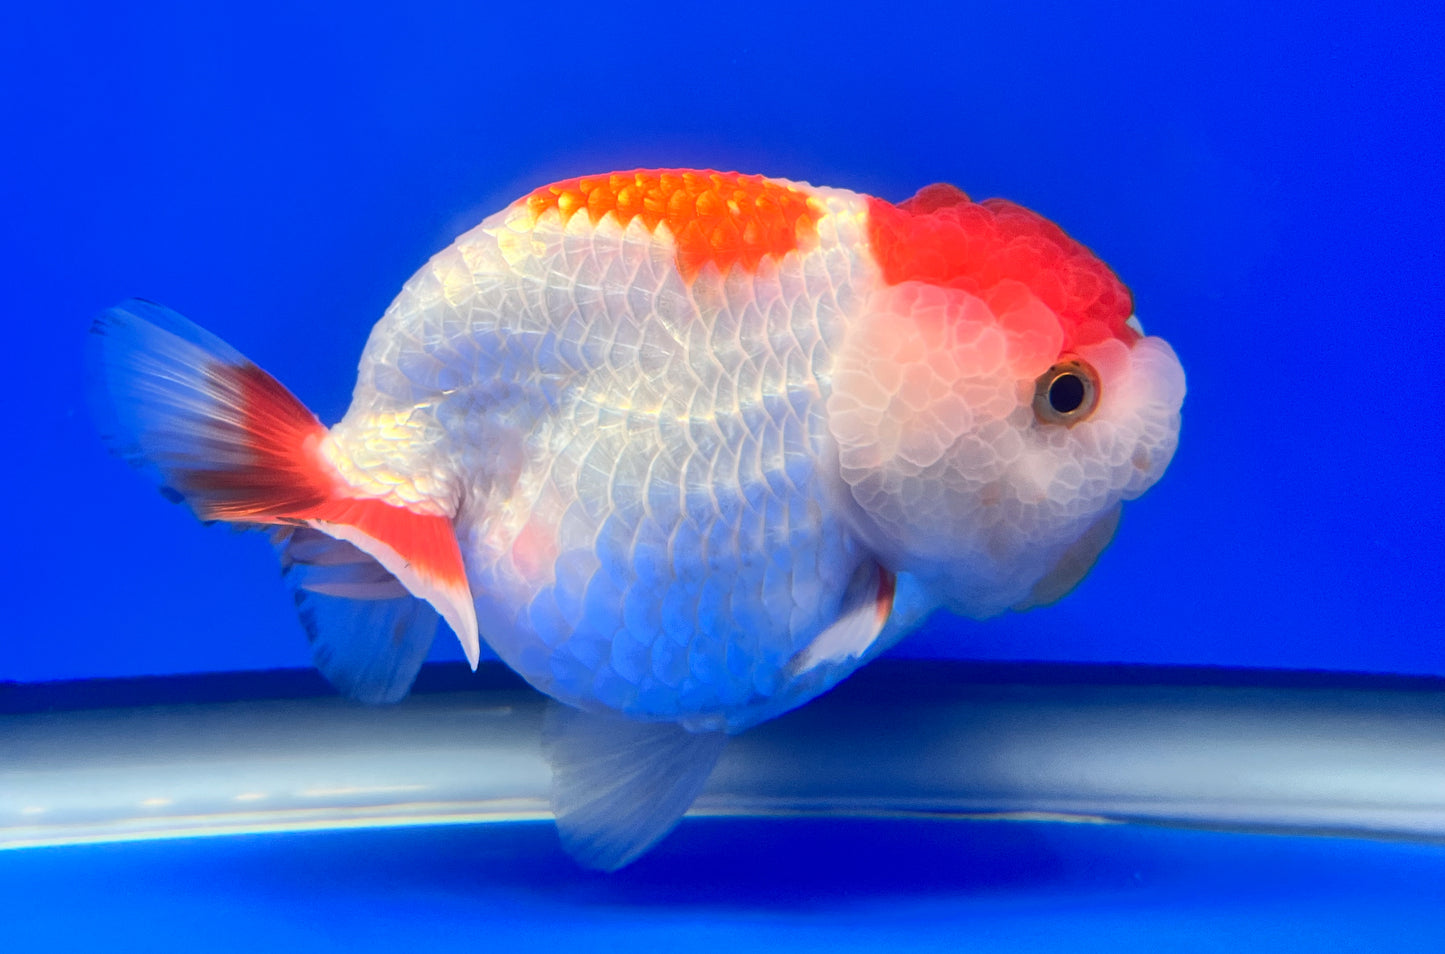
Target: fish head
995,404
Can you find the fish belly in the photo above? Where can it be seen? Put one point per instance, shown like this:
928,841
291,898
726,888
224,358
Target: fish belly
638,459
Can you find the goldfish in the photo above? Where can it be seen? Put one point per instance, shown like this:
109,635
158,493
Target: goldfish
683,448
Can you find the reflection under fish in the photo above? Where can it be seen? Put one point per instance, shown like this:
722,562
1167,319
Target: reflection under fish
683,448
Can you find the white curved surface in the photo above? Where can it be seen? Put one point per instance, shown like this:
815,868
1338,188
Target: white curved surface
1355,761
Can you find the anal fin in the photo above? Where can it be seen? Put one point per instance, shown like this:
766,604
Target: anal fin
419,550
369,635
619,786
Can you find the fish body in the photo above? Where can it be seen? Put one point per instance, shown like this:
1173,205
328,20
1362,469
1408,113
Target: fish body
684,448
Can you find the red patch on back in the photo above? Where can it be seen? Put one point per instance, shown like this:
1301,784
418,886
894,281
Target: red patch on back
720,217
942,237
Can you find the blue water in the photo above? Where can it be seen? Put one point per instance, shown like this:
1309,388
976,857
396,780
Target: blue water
1266,177
819,885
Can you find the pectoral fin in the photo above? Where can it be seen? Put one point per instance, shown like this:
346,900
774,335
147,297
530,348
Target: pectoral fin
619,786
866,607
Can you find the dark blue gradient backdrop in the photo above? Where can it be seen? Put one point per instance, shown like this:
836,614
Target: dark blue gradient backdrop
1266,177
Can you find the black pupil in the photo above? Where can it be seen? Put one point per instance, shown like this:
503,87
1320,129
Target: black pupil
1066,393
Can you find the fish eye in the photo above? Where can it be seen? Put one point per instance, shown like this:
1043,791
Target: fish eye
1067,393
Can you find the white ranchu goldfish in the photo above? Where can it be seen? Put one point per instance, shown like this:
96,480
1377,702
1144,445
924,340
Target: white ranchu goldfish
683,448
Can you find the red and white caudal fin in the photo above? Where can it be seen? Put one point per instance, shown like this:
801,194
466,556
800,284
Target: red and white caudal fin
224,436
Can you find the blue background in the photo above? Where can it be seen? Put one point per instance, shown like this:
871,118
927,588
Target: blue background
1266,177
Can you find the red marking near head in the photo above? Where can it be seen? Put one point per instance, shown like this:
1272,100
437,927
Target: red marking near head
942,237
720,217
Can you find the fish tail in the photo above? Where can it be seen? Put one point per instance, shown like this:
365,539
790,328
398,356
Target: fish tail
227,439
215,430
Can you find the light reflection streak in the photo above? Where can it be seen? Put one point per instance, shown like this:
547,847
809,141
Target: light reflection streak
1367,762
138,829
